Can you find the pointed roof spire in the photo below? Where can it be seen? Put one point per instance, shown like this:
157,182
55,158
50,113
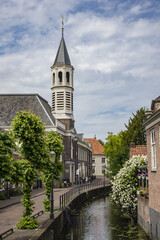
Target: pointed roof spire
62,26
62,57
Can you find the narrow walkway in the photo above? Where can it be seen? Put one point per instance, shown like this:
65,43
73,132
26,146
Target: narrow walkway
11,209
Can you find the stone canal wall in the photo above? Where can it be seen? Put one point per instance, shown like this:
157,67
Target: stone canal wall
148,218
51,230
143,214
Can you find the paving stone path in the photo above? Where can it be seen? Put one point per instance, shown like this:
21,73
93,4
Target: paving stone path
11,209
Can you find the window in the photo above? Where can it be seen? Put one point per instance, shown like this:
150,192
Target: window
93,169
93,160
60,77
153,150
53,78
72,148
67,77
103,169
103,160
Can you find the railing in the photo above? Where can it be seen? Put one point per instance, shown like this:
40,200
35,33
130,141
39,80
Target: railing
143,181
143,177
67,197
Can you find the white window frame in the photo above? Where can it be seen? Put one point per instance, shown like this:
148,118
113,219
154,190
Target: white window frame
103,169
103,160
153,151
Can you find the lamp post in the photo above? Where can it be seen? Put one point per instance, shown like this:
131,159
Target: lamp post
78,174
53,155
104,173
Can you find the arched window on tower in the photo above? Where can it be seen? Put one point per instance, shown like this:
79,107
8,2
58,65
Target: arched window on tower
53,78
60,77
67,77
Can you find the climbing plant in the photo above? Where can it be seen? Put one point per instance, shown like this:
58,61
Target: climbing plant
28,130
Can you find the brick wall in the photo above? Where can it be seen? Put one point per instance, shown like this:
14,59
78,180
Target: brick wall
154,176
143,213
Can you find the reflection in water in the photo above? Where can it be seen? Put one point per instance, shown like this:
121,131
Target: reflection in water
99,220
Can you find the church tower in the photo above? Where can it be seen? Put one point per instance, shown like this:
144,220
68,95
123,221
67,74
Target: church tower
62,86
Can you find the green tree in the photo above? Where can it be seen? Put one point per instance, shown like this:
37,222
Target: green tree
6,159
135,129
116,152
117,146
28,131
55,143
101,142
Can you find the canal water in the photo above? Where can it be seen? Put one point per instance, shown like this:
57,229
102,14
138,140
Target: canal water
99,220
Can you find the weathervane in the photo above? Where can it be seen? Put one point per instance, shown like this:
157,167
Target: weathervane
62,26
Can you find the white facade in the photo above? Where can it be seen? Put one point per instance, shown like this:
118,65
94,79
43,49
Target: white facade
99,163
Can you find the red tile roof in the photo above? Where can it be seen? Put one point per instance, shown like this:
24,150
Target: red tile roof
97,148
138,150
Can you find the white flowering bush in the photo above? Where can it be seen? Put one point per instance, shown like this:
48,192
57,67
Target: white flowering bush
125,185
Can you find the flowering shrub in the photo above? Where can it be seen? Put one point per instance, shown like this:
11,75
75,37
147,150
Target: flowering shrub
125,185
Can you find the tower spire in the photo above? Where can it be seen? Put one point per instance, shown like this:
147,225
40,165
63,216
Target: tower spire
62,57
62,26
62,85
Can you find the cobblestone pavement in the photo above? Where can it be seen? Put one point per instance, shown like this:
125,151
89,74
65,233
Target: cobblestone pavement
11,209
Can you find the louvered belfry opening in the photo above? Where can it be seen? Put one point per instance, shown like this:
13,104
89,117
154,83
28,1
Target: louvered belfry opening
60,100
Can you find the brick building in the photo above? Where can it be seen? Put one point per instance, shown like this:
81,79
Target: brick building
152,125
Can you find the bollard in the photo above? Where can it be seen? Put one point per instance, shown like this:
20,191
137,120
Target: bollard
60,202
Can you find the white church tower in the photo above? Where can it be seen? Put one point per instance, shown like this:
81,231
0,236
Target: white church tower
62,86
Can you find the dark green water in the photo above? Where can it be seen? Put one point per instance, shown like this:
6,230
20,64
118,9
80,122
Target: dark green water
99,220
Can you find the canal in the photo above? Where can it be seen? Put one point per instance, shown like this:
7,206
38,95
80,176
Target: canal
99,220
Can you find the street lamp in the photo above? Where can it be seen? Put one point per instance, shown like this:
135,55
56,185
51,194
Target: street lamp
53,155
104,166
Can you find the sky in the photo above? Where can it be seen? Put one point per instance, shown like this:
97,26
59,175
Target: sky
114,46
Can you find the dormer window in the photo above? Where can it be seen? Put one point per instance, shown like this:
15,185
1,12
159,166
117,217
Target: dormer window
60,77
67,77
